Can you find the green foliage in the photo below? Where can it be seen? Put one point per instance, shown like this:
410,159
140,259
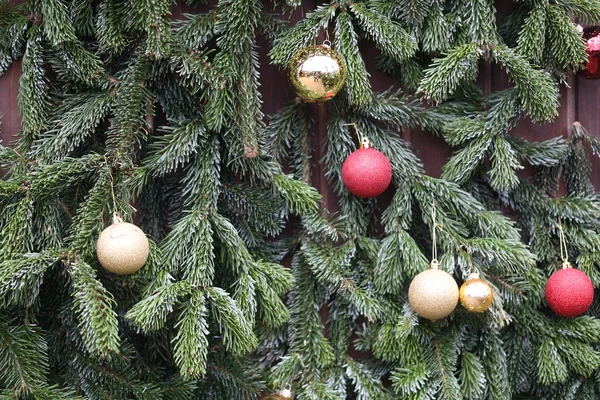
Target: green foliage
127,107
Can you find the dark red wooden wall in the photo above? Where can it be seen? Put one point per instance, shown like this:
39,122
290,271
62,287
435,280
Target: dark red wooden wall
579,102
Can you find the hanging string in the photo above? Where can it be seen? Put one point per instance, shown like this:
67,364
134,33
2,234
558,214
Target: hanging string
327,42
434,253
564,252
365,143
116,217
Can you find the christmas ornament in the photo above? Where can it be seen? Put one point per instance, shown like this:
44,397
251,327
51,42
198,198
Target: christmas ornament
591,69
122,248
569,291
433,294
476,295
366,172
317,73
285,394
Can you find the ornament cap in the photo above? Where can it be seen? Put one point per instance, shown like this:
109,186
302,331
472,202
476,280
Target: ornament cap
474,275
435,264
285,393
326,43
365,143
117,218
566,265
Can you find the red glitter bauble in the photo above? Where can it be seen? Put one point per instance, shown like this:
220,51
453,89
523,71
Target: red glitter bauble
367,173
569,292
591,69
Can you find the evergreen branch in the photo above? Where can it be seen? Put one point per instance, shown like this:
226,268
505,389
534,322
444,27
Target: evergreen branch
463,163
54,178
532,36
13,26
237,332
87,222
189,249
41,392
76,121
33,97
150,314
307,335
21,278
481,21
113,17
568,46
272,281
548,153
133,103
411,380
412,11
198,73
472,376
439,31
72,61
538,93
504,165
153,17
331,267
388,35
57,26
551,367
366,384
444,76
399,258
299,197
357,84
303,33
586,11
196,30
15,236
93,304
236,22
176,147
191,343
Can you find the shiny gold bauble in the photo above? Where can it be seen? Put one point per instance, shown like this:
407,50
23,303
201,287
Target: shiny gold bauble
433,294
317,73
285,394
476,295
122,248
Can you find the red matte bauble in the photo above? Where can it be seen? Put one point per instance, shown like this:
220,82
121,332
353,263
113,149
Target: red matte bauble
569,292
367,173
591,69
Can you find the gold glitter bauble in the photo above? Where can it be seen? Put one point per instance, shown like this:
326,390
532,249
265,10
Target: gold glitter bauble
317,73
476,295
433,294
122,248
285,394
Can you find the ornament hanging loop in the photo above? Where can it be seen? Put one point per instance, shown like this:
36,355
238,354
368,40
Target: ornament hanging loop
564,252
326,43
116,217
434,253
365,143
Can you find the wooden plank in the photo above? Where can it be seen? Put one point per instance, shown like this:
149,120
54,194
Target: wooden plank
9,87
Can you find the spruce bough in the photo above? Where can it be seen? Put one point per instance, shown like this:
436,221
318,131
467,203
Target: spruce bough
250,285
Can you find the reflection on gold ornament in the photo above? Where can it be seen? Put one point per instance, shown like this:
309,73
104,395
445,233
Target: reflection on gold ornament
317,73
476,295
433,294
